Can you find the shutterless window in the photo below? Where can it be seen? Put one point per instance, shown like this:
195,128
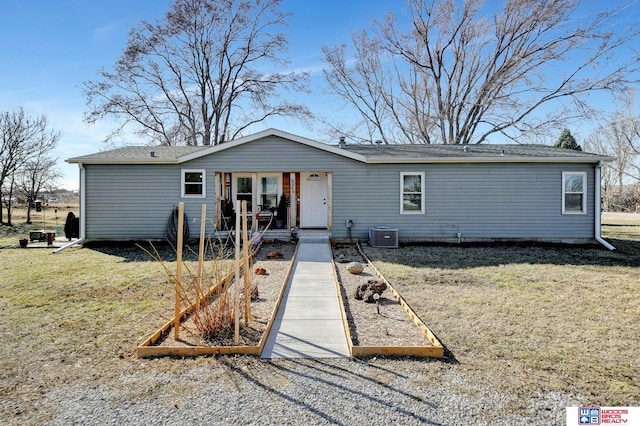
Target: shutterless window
412,193
193,183
245,191
574,192
268,192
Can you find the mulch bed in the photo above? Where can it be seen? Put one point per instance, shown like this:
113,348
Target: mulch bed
392,326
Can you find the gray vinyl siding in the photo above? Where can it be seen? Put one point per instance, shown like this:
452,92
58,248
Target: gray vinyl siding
135,201
488,200
492,201
271,155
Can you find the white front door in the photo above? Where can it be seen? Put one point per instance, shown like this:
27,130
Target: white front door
313,200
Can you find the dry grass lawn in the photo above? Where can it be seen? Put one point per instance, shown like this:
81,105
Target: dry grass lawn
528,318
51,217
523,319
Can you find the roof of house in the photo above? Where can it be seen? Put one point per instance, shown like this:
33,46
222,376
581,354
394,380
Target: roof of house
433,153
366,153
137,154
176,155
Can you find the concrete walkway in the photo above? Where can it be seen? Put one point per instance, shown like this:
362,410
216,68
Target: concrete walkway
309,321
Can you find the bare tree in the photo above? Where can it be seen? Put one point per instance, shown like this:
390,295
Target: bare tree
465,71
200,75
616,136
37,175
23,137
599,142
633,124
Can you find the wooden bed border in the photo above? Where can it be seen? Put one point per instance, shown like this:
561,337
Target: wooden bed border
435,350
146,348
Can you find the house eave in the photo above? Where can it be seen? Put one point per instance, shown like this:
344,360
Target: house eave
122,161
489,159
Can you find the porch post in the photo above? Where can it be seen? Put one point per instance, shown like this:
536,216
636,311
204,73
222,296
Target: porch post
219,190
293,201
255,189
329,201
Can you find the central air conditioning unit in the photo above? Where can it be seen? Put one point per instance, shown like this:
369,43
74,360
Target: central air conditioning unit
383,236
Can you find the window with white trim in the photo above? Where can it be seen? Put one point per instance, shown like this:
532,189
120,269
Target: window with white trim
411,193
268,192
193,183
243,190
574,192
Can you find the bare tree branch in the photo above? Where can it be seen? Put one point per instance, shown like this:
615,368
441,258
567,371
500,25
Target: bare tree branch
36,175
199,76
465,71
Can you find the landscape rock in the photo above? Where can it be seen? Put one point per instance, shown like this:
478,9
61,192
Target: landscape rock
274,255
366,291
355,268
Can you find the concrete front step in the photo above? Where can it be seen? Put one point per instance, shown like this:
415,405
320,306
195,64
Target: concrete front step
313,236
315,240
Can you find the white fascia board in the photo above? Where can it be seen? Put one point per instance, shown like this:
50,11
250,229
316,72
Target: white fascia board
74,160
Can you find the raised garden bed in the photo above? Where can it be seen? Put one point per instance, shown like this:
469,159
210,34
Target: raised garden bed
396,330
387,328
253,335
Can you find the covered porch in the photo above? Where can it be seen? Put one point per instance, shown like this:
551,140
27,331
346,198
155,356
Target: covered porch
276,201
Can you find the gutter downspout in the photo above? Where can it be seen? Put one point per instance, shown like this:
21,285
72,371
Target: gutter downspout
598,208
82,213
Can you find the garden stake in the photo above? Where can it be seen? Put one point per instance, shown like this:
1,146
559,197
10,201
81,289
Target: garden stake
237,268
176,319
245,264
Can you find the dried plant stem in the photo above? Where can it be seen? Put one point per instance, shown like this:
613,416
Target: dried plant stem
205,291
200,256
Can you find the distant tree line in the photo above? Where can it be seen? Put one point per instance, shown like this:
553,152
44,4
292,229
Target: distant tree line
27,167
618,136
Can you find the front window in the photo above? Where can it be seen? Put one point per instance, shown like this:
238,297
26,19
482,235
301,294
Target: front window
245,191
412,193
268,192
193,184
262,189
574,194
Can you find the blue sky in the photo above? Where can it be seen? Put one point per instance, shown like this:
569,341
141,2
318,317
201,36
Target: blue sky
49,47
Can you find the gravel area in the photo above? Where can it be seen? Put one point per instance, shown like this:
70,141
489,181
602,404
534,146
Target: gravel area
245,390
